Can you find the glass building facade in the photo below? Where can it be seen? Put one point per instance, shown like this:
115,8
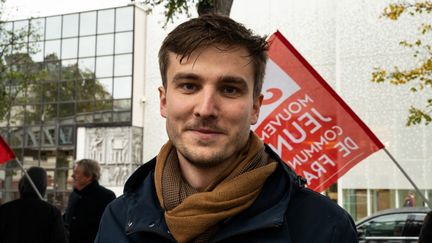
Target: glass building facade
83,65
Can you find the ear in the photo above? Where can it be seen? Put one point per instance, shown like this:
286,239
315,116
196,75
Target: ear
88,179
162,102
256,109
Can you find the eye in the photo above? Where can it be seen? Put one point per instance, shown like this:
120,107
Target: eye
188,87
231,91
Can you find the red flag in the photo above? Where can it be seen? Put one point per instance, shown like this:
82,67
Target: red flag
306,122
6,152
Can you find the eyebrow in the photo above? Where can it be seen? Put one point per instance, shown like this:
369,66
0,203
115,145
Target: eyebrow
224,78
190,76
233,80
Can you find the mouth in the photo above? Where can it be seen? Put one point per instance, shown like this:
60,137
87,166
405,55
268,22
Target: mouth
207,131
206,134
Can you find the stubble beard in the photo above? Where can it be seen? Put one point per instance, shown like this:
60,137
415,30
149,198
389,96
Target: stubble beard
197,160
213,158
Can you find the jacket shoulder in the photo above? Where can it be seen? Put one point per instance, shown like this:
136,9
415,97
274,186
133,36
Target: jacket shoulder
125,213
107,192
138,176
113,222
314,216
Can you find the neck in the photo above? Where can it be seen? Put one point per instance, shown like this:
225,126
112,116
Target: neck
81,187
199,177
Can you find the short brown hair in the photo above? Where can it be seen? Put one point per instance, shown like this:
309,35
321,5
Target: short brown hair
212,29
91,168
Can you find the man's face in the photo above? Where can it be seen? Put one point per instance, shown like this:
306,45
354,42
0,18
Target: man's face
209,105
80,180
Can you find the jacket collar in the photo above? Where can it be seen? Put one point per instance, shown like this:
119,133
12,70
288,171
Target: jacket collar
144,213
87,189
277,192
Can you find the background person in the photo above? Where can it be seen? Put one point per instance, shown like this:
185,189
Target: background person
409,200
86,202
215,180
29,219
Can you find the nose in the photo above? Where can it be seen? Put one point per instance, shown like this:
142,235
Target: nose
207,104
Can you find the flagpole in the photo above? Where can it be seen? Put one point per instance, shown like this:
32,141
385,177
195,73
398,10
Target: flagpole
409,179
29,179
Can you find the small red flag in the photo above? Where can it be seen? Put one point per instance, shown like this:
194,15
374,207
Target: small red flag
6,153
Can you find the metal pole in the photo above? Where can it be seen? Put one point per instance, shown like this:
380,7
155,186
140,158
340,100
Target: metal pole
29,179
409,179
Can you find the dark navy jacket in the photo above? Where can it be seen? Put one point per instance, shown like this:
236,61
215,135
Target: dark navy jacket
84,211
285,211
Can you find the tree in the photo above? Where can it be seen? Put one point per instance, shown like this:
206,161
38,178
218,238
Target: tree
174,7
77,84
17,70
418,78
24,81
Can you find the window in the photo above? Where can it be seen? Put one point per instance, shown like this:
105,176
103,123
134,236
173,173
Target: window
70,70
16,137
85,89
123,42
382,199
84,107
124,19
104,88
33,136
66,109
66,134
49,113
21,26
104,66
105,44
87,46
49,91
87,65
88,23
38,25
413,224
17,115
36,49
103,105
70,48
70,25
122,88
67,90
33,114
122,105
386,225
49,136
123,65
105,21
53,27
52,48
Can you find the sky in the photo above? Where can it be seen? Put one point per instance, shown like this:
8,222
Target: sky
21,9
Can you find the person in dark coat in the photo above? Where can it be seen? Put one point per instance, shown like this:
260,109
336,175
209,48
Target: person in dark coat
86,202
215,180
426,230
29,219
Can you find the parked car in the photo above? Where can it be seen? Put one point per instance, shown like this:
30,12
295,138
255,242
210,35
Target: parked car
399,225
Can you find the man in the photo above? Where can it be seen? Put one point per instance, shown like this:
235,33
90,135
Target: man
409,200
29,219
215,180
86,202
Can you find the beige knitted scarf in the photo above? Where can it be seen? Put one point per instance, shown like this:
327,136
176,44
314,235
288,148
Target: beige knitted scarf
190,214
